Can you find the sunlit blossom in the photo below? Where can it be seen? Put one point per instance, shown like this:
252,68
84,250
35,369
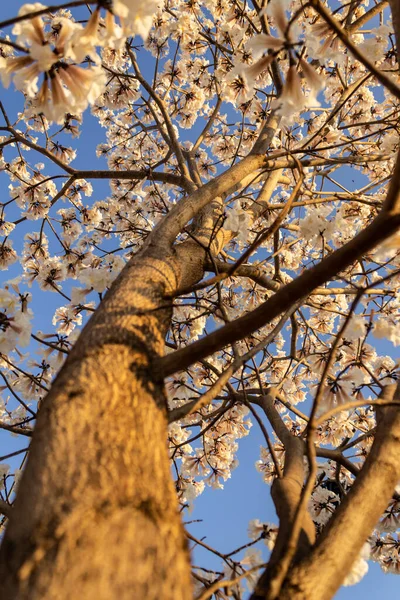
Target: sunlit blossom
137,15
179,94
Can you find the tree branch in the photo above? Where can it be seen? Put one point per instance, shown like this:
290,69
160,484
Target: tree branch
342,35
380,229
341,541
5,508
286,493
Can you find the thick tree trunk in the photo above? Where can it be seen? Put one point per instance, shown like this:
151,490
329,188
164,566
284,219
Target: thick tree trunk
96,515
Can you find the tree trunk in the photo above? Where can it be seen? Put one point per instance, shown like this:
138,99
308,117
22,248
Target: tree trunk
96,514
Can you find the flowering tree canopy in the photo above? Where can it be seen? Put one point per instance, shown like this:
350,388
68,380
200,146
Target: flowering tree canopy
233,262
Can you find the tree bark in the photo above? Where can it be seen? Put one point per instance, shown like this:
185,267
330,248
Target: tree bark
96,508
286,494
320,574
96,513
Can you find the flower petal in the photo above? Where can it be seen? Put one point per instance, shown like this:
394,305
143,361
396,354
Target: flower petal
263,42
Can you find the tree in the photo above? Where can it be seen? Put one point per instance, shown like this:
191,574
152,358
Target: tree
245,261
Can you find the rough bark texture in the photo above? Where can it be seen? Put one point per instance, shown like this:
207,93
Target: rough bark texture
382,227
97,509
322,572
96,514
286,493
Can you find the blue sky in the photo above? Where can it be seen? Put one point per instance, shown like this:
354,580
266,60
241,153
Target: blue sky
224,514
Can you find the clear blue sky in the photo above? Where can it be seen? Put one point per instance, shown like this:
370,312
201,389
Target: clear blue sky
225,514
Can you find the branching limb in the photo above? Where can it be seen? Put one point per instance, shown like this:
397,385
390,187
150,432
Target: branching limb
213,391
379,230
168,123
286,494
342,35
372,12
5,508
27,431
45,10
342,539
227,583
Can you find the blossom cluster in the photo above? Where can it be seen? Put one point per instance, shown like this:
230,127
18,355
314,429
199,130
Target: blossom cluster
200,84
55,48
